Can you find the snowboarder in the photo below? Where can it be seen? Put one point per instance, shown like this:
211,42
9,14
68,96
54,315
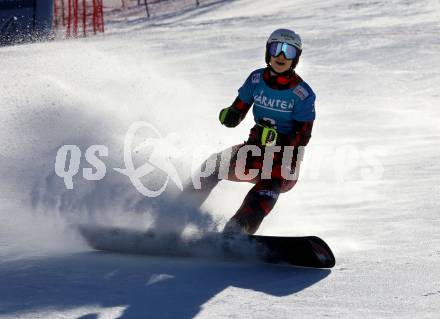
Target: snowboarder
283,110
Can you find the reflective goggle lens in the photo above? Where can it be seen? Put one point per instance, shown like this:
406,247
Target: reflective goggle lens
275,49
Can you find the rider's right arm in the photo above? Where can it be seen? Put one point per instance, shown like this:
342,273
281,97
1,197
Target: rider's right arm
233,115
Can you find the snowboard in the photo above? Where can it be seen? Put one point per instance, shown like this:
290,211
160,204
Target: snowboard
307,251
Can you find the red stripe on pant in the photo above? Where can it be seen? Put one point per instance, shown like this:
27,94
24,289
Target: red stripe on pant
256,205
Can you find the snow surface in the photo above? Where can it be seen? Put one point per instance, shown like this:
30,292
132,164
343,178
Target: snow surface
369,183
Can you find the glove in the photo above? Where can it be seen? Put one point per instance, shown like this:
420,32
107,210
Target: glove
303,133
230,117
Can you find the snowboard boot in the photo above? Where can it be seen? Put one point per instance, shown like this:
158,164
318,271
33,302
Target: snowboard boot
243,223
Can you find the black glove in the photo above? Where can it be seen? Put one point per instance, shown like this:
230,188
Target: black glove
230,117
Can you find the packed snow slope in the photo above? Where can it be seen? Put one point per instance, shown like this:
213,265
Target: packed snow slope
369,183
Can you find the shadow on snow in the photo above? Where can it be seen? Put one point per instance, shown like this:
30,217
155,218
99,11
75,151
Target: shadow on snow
149,287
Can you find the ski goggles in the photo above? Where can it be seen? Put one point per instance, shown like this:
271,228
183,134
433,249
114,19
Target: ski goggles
275,49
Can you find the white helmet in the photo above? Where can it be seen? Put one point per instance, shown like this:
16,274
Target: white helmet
286,36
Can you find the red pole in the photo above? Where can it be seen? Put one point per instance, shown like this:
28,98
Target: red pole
63,13
55,14
84,3
75,27
94,16
102,16
69,18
